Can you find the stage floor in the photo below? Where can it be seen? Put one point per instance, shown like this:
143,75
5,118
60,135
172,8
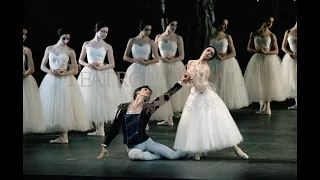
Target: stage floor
270,142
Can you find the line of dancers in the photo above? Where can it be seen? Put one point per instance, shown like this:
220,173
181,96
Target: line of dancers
202,99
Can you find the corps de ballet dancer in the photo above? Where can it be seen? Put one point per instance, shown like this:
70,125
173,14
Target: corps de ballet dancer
32,108
264,69
289,64
226,74
98,81
63,106
144,71
172,66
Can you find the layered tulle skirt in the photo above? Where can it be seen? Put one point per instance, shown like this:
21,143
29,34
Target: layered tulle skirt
289,68
101,93
32,108
63,105
206,124
263,78
151,75
228,80
173,73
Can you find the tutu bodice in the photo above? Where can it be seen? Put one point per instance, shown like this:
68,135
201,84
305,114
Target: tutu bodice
292,40
263,42
58,62
96,55
167,48
220,45
141,51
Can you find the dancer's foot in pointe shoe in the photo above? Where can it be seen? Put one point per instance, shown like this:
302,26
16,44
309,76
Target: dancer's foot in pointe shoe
59,140
96,133
167,122
240,153
293,107
196,157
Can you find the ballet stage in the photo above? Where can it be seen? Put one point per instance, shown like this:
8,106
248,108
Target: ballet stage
270,142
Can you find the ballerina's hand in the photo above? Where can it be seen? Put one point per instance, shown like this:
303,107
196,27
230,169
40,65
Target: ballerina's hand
222,56
104,151
90,66
294,55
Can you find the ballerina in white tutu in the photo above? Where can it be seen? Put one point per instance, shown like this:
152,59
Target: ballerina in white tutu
206,123
263,74
169,42
63,105
98,81
32,109
226,74
144,71
289,64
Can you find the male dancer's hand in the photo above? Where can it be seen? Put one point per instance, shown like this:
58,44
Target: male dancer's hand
104,151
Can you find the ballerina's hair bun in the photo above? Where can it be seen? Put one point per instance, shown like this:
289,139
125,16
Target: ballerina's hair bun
62,31
99,25
143,24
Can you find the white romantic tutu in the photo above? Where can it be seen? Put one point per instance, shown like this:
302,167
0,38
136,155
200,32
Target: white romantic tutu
173,73
32,109
289,70
63,104
228,80
152,76
101,92
263,78
206,124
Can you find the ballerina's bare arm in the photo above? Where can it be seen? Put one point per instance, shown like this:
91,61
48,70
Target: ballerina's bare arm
127,52
205,71
30,70
250,46
285,44
180,49
274,46
45,60
74,65
231,48
111,64
154,49
83,55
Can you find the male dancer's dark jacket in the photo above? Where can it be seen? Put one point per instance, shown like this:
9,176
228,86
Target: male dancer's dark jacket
134,131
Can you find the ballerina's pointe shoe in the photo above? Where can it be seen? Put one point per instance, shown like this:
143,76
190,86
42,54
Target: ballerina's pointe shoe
96,133
165,123
293,107
196,157
59,141
241,154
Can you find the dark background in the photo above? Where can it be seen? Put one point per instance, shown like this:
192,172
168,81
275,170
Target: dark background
44,18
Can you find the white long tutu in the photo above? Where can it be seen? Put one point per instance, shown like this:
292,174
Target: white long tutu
263,78
101,92
228,80
289,71
173,73
206,124
152,76
63,104
32,108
